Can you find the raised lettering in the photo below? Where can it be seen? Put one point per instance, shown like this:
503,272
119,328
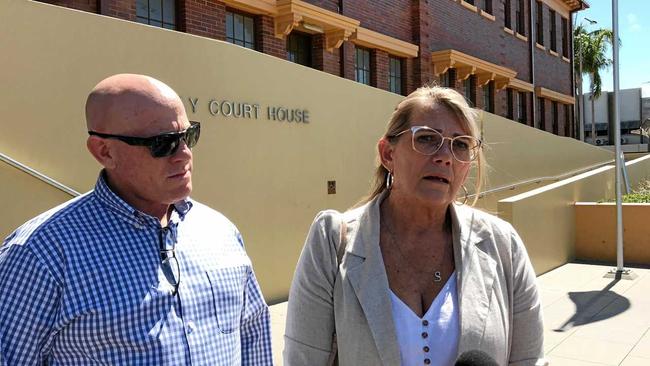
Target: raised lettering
257,110
247,110
214,107
305,116
193,103
223,108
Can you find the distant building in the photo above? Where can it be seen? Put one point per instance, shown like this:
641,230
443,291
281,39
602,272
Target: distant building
634,110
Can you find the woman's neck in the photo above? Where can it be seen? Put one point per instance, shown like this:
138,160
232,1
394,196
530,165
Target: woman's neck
411,216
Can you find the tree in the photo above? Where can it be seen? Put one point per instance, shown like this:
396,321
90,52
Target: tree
591,47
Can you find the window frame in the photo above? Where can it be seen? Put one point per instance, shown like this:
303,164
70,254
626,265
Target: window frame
510,105
565,37
163,24
541,114
487,7
294,39
395,81
553,29
252,44
488,96
507,20
521,17
367,72
539,23
555,117
522,108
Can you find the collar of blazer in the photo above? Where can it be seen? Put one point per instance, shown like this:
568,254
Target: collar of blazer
475,270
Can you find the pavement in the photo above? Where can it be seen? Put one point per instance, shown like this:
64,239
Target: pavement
589,320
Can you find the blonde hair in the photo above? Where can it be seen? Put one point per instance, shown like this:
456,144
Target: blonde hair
427,97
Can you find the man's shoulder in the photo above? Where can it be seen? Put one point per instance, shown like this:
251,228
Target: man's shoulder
204,212
49,220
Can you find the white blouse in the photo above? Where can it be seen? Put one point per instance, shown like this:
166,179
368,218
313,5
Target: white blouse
432,339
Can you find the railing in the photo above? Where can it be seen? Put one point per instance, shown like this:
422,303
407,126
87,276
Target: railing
18,165
554,178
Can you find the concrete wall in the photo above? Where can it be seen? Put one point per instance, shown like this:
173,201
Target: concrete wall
545,217
596,232
269,177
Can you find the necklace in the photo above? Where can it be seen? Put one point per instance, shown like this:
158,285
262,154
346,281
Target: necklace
436,274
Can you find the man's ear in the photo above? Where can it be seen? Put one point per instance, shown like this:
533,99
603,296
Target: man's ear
101,151
386,150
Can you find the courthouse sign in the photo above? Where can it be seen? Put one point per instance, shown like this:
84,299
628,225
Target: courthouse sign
234,109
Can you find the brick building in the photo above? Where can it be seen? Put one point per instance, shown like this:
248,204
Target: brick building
509,57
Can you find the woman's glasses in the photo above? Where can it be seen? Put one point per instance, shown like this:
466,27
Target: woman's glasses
162,145
428,141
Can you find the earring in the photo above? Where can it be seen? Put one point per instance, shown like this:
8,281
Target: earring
465,197
389,181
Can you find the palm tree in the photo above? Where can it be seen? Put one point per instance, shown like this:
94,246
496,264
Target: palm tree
592,48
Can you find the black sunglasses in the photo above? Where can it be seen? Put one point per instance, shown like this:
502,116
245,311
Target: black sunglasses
162,145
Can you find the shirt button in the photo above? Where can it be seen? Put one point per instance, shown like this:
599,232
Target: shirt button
425,334
426,349
425,322
190,327
427,361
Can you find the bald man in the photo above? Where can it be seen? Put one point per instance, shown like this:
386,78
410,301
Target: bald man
133,272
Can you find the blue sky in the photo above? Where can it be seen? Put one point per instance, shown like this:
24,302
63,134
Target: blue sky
634,30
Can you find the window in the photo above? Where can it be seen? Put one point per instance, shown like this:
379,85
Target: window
521,108
362,66
567,120
511,104
488,97
507,9
521,20
470,90
553,31
541,120
556,129
487,6
299,48
540,23
240,30
159,13
565,38
448,79
469,1
395,75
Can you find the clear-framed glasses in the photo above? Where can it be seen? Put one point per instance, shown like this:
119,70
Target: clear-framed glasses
427,141
169,263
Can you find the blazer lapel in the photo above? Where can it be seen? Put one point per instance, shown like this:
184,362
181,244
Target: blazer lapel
476,272
367,275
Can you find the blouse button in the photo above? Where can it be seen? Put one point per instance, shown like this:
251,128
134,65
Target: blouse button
427,361
425,322
425,334
426,349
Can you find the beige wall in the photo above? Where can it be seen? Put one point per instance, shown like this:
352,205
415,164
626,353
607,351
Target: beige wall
268,177
596,232
545,217
24,196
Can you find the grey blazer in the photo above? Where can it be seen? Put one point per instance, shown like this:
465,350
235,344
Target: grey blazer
500,310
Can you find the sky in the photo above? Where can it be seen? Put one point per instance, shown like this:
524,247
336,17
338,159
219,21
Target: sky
633,28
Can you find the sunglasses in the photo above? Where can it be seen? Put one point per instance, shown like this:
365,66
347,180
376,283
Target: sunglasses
162,145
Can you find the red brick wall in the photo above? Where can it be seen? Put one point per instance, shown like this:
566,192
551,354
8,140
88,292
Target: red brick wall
422,72
205,18
265,40
551,71
347,48
322,59
331,5
455,27
122,9
85,5
390,17
379,64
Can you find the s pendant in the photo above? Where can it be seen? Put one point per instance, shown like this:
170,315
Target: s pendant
437,277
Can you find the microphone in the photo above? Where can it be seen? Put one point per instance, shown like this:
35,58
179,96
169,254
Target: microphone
475,358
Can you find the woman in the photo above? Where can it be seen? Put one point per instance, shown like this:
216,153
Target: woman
418,279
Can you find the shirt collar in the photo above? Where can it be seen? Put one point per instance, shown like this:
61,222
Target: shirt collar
105,195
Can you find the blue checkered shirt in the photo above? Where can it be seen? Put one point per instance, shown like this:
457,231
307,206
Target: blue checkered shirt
82,284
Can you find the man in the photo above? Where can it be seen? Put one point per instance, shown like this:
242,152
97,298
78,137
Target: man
133,272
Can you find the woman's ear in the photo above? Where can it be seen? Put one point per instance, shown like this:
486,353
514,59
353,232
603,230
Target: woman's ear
386,150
